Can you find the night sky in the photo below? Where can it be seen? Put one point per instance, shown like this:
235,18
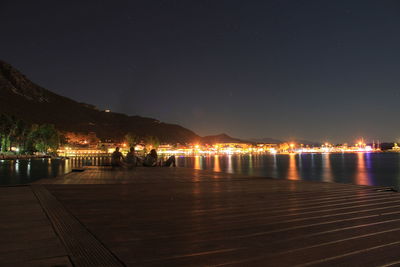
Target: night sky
316,70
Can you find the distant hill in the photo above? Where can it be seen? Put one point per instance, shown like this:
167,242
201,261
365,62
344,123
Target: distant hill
266,140
221,138
28,101
305,142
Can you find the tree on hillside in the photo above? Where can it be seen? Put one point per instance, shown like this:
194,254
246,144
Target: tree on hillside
152,142
4,130
8,129
19,138
13,133
17,133
45,138
131,139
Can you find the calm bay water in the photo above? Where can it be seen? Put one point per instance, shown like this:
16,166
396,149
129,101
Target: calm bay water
26,171
357,168
381,169
13,172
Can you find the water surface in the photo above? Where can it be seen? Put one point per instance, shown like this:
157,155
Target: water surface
381,169
24,171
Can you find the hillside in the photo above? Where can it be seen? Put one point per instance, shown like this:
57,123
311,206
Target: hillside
266,140
220,138
28,101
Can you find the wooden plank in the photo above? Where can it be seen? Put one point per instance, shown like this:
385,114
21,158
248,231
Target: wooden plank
50,262
83,248
183,217
26,234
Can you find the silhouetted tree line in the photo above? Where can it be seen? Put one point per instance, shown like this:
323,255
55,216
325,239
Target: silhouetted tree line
28,138
150,141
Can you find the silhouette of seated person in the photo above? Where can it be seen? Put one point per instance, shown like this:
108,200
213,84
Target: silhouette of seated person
151,160
116,158
130,158
170,162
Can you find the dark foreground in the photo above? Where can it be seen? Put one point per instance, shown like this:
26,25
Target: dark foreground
185,217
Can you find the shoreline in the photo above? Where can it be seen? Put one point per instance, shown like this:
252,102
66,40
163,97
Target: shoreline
14,157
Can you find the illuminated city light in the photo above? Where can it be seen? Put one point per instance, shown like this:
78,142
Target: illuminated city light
224,149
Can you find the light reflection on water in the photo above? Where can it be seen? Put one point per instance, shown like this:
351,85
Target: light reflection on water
293,174
230,167
23,171
216,167
361,174
326,168
357,168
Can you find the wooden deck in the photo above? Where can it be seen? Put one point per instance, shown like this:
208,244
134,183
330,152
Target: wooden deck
27,237
186,217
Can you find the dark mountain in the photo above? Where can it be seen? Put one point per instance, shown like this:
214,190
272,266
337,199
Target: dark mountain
276,141
266,140
305,142
221,138
25,100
